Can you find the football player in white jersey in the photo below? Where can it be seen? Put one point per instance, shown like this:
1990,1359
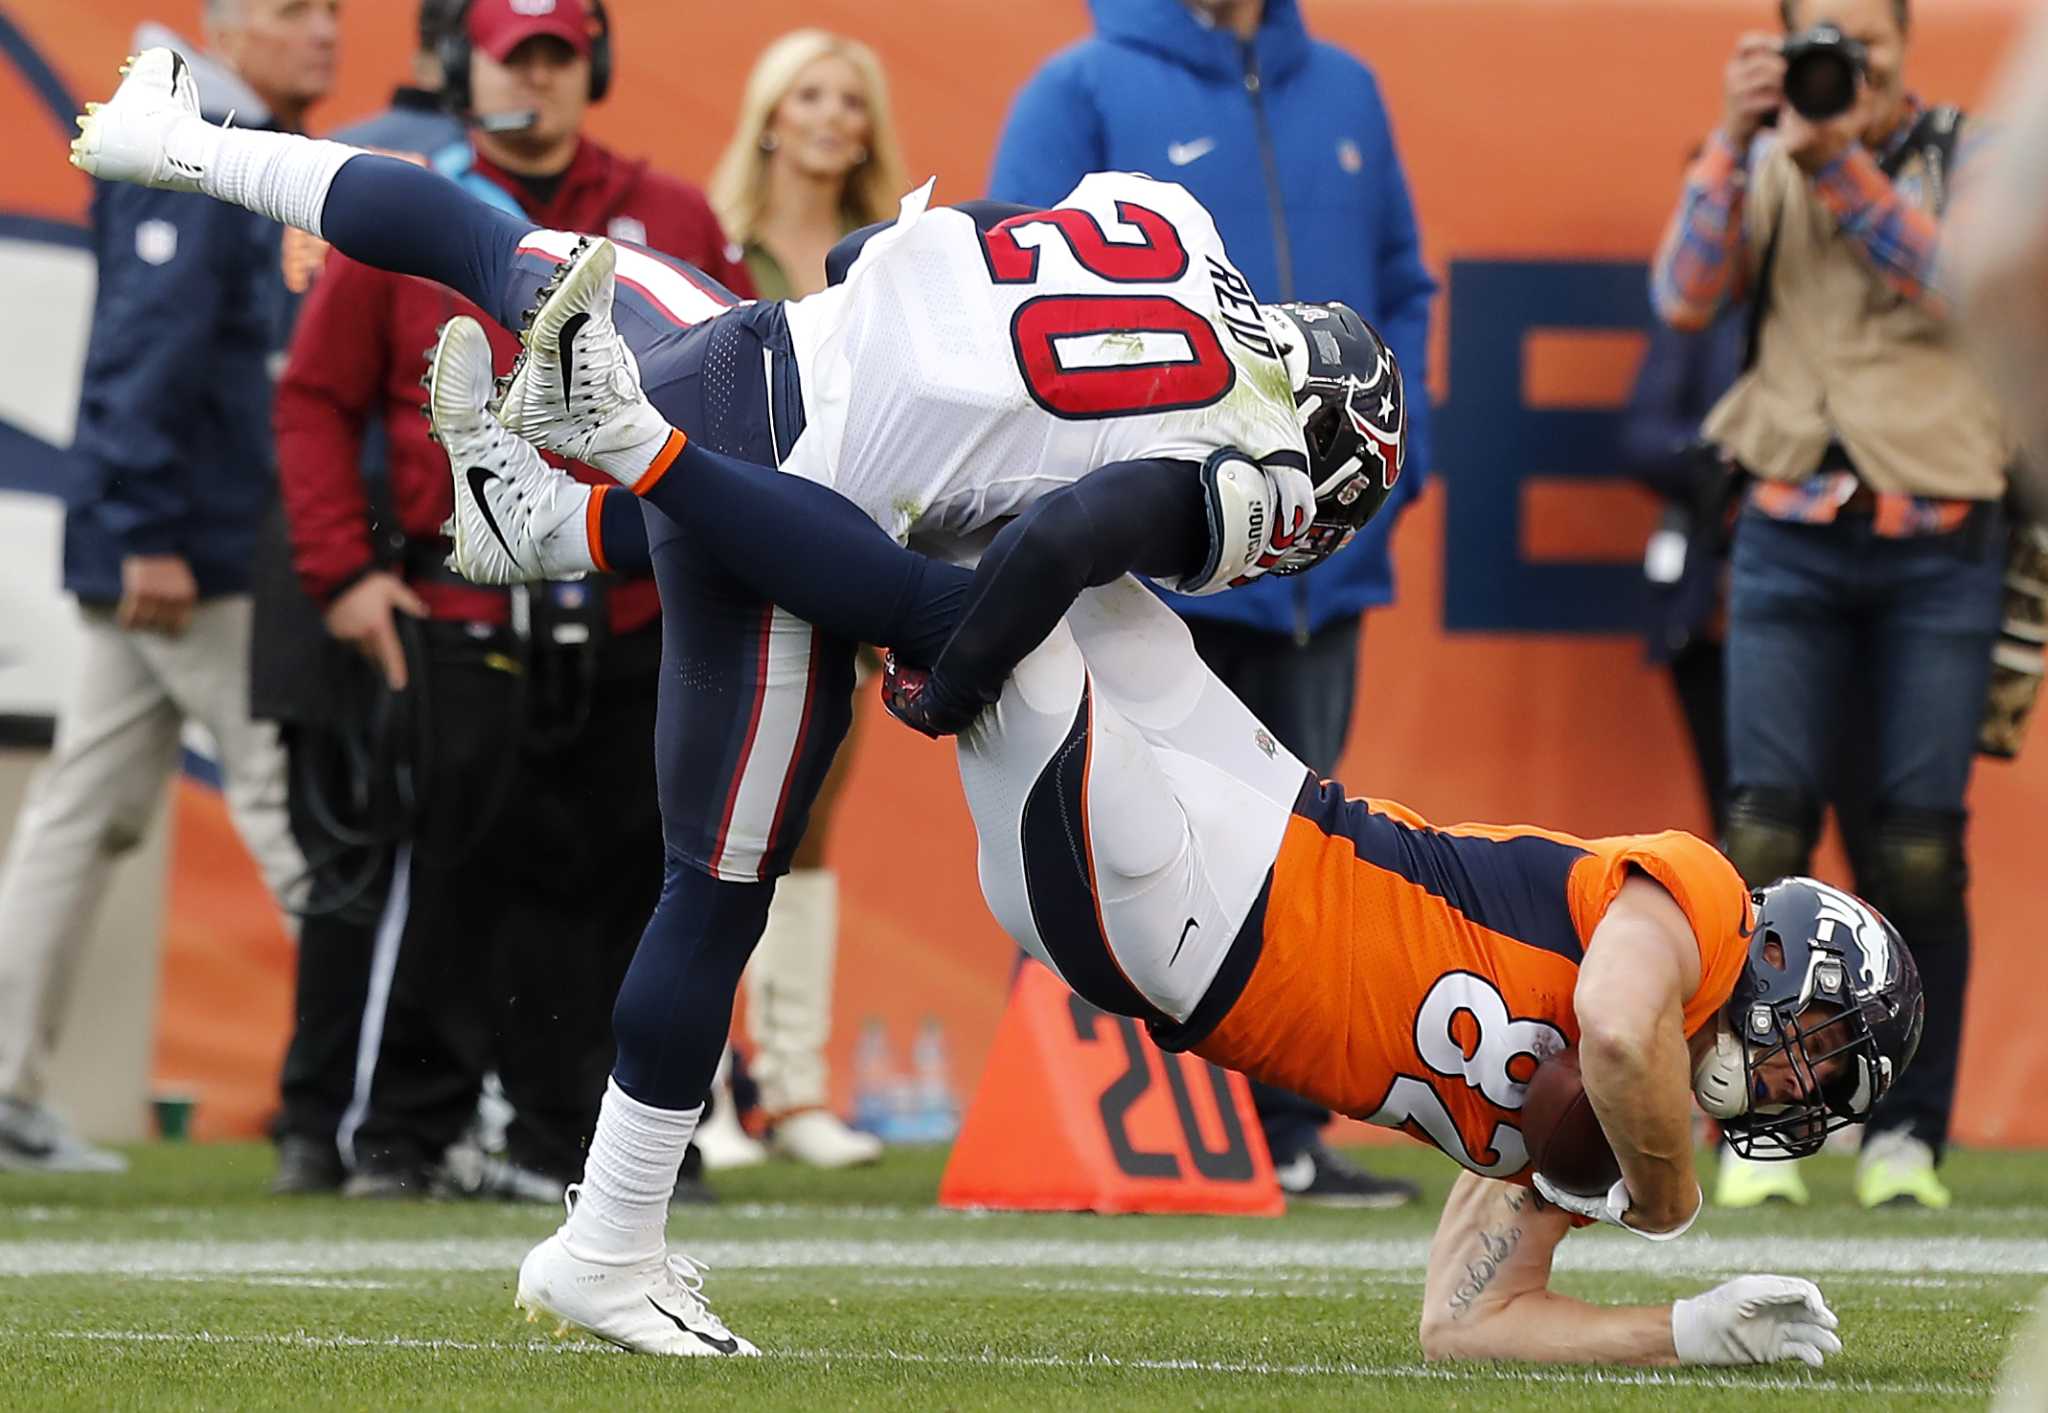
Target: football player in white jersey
1104,366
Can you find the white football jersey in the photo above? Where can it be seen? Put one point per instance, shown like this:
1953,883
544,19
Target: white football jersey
955,377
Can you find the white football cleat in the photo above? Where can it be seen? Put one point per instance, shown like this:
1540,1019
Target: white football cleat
653,1306
517,519
128,138
575,390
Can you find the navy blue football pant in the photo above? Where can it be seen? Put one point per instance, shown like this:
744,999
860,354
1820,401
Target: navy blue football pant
753,700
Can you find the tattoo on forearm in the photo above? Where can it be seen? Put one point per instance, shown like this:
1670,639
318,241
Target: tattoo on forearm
1495,1246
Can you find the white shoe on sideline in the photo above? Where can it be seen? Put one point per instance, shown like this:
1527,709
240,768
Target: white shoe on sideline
721,1139
127,138
726,1146
517,519
819,1138
34,1139
576,388
652,1306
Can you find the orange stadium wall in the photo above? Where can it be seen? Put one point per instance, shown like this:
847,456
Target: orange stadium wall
1543,141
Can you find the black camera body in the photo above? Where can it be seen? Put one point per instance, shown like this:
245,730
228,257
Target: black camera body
1822,68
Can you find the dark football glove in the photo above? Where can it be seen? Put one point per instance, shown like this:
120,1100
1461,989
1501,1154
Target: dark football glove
919,699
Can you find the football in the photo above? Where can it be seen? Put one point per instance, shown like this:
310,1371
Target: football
1565,1141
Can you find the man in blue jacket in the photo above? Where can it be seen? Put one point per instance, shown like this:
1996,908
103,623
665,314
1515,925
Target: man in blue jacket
1287,143
174,439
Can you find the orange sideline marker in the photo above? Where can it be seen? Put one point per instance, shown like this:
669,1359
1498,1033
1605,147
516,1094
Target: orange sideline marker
1079,1111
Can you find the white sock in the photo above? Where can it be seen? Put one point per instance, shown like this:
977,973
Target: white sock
640,449
276,174
621,1211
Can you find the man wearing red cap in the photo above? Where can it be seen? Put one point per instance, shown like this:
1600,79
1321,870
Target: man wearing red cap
482,964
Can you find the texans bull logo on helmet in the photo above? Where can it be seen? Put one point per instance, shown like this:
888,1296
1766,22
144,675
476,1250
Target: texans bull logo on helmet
1379,417
1354,419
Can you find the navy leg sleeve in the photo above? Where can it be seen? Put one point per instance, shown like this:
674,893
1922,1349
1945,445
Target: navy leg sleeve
622,530
1146,517
809,550
675,1006
399,217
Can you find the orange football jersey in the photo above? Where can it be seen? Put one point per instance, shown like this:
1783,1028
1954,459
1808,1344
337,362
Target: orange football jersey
1414,976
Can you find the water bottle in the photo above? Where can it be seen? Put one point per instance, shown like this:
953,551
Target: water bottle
876,1083
936,1107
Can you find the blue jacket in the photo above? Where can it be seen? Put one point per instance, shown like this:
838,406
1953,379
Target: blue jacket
1287,143
415,122
174,441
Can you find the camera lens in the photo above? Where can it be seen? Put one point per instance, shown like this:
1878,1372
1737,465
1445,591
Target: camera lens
1820,84
1821,69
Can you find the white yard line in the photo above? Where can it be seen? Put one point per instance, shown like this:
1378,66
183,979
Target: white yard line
1241,1257
1686,1379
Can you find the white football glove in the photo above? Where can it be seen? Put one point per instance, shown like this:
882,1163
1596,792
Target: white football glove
1255,514
1755,1320
1612,1208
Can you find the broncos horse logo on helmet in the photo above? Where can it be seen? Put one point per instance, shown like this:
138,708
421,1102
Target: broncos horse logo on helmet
1829,985
1348,392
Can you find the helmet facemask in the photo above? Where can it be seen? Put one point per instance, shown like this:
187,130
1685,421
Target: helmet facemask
1807,1014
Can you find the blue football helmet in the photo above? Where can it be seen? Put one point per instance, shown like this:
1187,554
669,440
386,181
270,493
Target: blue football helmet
1828,982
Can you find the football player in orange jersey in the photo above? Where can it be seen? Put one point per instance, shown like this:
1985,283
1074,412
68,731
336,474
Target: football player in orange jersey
1147,839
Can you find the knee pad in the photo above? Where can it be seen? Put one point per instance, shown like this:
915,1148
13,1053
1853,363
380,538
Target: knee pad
1919,862
1770,832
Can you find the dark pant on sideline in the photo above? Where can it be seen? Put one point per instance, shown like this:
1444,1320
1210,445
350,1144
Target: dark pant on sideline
1699,679
1304,694
336,942
1829,621
538,860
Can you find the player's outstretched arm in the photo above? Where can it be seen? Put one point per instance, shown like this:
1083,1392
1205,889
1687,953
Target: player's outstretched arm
1195,528
1641,963
1488,1296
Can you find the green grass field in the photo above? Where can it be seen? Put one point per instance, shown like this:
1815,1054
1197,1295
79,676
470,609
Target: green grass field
183,1286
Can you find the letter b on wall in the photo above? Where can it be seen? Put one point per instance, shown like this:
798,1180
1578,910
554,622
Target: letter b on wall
1490,442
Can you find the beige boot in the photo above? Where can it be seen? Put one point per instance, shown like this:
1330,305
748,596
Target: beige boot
789,1017
722,1140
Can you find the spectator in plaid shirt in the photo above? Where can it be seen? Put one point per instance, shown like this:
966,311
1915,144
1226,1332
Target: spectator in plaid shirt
1869,550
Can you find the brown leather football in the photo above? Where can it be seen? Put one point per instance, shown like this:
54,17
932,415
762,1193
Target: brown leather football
1565,1141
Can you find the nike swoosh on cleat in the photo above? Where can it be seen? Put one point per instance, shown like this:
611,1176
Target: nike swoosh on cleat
478,475
1192,926
571,327
728,1345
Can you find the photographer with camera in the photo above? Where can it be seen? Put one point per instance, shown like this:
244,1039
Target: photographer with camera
1870,546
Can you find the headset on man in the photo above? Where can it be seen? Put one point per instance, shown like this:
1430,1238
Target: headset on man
452,46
